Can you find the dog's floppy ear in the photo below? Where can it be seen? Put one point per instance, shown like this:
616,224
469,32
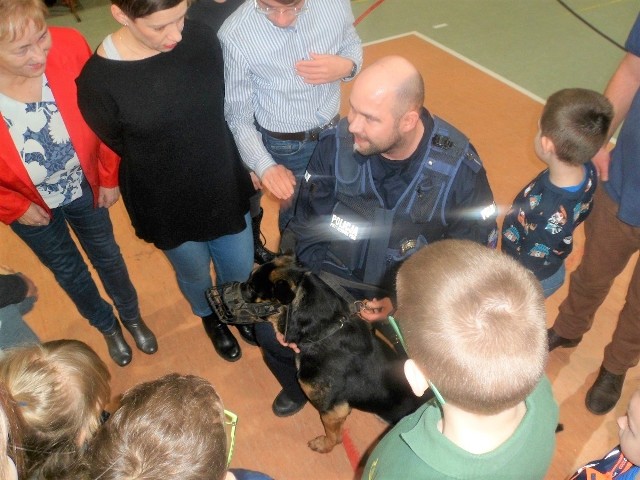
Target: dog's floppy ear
283,292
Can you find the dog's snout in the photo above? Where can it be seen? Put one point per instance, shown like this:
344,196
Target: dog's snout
247,291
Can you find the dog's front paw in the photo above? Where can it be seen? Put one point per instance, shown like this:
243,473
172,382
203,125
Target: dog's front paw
322,444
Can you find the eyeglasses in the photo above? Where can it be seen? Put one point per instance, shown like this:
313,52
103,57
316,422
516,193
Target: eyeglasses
266,10
230,419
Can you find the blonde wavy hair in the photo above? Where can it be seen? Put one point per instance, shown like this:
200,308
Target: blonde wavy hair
61,388
15,16
10,433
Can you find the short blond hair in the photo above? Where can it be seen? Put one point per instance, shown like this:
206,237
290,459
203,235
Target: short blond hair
61,388
172,427
15,16
474,322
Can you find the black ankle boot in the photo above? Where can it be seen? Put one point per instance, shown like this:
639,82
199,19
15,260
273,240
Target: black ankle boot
118,348
248,334
143,336
223,340
261,254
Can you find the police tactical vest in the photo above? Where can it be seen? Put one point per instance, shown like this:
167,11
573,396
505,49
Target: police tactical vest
370,241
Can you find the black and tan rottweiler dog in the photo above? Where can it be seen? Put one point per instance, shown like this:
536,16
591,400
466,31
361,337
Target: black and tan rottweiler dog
342,363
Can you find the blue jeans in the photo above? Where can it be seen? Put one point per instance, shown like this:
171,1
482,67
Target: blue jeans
56,250
13,329
551,284
294,155
232,257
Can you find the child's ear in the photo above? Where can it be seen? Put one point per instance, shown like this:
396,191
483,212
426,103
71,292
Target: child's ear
547,145
415,377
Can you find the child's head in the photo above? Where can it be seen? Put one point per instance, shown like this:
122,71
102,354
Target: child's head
474,323
60,388
630,430
11,458
576,121
172,427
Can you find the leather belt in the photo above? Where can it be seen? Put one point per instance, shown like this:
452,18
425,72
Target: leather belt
309,135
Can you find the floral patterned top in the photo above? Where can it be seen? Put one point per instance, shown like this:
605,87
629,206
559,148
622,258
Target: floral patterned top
43,142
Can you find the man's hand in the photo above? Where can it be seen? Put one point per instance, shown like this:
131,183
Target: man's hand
324,68
35,216
601,161
108,196
292,346
374,310
255,180
280,181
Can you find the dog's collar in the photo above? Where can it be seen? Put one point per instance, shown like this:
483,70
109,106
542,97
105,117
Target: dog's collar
333,330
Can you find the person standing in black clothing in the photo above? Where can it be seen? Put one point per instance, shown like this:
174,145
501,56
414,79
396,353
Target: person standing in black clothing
154,93
213,13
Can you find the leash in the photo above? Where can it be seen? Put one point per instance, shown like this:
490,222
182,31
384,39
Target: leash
336,283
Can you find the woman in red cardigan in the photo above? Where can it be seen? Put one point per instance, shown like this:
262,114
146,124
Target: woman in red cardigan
55,173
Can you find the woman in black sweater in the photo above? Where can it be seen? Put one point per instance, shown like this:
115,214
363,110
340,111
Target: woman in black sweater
154,93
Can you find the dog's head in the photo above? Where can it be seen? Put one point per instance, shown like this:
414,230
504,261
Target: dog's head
276,280
308,303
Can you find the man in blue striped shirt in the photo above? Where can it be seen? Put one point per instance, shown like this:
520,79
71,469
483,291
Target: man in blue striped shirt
284,62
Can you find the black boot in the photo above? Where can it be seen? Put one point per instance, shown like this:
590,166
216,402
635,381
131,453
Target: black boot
261,254
118,348
248,334
143,336
223,340
605,392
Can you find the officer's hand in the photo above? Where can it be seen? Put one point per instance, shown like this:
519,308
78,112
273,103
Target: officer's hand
375,310
292,346
280,181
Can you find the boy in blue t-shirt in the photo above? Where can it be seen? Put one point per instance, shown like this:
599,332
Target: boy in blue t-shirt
538,228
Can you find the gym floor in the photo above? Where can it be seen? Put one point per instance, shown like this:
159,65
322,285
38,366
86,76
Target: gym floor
488,65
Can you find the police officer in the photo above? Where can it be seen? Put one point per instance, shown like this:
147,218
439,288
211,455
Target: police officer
388,180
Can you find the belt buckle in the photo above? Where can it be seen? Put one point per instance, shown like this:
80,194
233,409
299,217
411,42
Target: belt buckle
314,133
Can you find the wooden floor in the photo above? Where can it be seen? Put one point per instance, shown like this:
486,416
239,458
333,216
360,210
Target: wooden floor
501,123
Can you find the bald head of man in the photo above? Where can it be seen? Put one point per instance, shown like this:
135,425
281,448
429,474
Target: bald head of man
385,105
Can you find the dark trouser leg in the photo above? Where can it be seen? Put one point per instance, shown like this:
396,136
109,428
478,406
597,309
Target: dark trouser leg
280,361
57,251
94,230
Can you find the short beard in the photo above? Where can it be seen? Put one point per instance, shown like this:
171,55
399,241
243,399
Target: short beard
376,149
